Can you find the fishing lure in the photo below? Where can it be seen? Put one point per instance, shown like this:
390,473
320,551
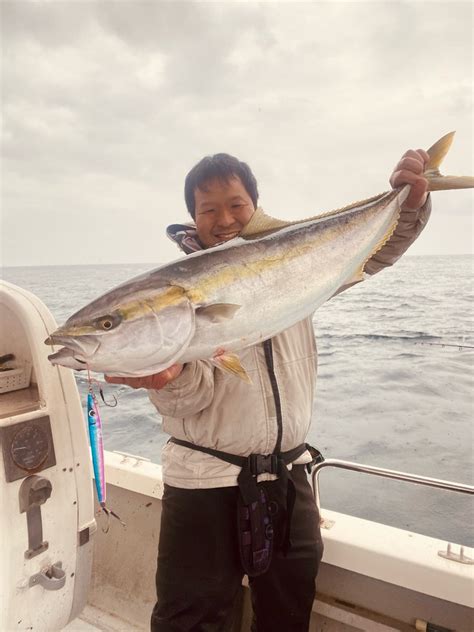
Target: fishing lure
97,449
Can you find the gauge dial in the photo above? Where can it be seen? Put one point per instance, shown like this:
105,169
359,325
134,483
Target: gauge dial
29,447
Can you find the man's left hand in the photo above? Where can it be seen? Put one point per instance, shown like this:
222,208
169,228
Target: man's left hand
410,170
150,382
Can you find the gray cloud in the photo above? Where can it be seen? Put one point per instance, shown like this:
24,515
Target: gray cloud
108,104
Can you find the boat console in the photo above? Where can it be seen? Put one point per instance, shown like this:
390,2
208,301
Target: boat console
47,517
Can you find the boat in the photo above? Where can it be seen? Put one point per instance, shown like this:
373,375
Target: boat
60,570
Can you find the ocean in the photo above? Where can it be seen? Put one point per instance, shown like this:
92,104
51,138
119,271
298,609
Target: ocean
391,392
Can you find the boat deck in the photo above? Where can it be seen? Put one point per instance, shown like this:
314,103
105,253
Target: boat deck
373,577
93,619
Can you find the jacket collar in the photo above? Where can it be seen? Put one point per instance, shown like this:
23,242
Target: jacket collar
185,236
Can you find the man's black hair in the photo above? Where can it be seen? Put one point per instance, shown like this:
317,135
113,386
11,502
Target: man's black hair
220,166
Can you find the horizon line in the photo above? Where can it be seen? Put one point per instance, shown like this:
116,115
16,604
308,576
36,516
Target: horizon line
154,263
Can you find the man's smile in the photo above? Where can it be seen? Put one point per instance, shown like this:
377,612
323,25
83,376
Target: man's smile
229,235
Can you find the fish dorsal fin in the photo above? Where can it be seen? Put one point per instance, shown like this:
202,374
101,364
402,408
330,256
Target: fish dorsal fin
261,224
437,152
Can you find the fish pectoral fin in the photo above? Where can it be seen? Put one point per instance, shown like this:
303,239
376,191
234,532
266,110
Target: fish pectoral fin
230,363
218,312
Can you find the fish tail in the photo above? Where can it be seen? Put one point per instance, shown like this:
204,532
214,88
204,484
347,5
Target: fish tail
438,151
436,181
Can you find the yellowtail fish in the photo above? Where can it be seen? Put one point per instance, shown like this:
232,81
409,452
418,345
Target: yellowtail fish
213,303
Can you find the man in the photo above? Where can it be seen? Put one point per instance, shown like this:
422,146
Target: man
216,419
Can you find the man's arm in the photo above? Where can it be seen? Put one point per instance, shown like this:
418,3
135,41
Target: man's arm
178,391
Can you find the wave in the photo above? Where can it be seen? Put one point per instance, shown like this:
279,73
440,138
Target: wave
412,337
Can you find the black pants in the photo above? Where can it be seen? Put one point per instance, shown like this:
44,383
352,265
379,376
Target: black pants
199,572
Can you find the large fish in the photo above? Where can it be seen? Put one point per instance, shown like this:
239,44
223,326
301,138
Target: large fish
213,303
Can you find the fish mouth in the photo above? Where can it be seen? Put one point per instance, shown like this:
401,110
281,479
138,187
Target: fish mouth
66,357
56,339
76,353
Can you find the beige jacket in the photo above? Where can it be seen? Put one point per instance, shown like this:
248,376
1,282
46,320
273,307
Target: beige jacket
213,409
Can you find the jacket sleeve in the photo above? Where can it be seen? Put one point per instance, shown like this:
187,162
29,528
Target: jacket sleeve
409,226
190,393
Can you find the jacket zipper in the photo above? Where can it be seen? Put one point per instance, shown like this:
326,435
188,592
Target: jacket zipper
268,348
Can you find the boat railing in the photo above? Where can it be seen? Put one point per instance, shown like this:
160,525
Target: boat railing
393,474
386,473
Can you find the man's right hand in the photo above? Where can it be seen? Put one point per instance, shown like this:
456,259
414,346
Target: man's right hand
151,382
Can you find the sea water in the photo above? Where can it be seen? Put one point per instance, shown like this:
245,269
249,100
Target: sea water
391,391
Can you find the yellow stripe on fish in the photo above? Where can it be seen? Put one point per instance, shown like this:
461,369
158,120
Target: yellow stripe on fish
248,269
140,307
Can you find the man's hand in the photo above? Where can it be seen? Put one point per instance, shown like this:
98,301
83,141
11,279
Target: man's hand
151,382
410,170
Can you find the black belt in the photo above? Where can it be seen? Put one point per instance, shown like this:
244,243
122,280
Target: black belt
255,464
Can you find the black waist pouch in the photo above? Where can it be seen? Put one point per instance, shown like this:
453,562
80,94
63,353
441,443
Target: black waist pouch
255,527
255,531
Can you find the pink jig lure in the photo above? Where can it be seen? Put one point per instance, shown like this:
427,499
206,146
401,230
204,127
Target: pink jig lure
97,449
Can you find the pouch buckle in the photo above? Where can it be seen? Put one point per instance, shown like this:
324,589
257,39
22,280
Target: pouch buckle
262,463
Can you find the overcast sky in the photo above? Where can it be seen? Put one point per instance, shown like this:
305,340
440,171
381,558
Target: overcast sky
107,105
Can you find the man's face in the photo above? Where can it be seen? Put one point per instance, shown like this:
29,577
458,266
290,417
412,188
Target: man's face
222,210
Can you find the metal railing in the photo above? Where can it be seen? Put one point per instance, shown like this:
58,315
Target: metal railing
399,476
385,473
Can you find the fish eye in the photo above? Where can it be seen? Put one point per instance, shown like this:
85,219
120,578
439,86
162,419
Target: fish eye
106,323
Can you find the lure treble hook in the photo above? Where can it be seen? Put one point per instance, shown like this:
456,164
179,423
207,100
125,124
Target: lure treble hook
101,392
